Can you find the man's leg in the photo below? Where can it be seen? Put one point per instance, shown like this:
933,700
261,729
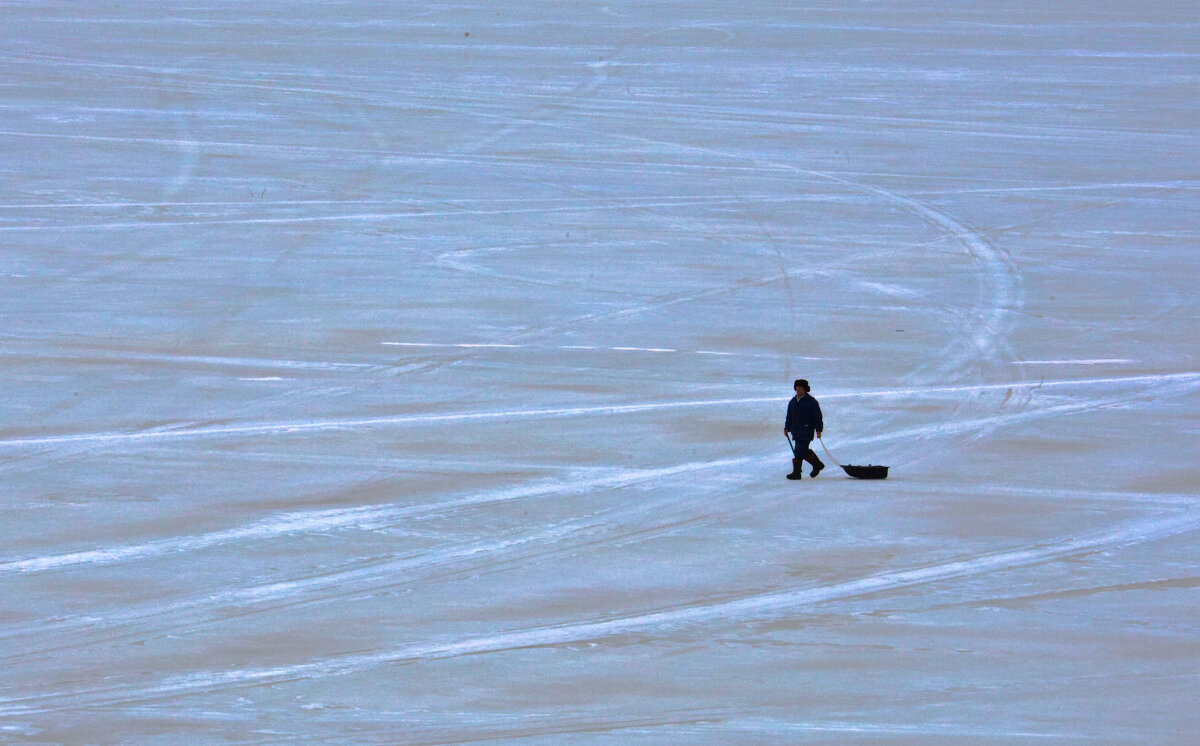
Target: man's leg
811,457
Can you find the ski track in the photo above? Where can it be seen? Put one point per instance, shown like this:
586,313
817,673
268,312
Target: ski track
662,302
181,431
375,216
580,202
644,518
220,82
685,725
367,518
539,116
720,726
755,607
1001,292
370,576
119,357
1000,296
983,343
359,579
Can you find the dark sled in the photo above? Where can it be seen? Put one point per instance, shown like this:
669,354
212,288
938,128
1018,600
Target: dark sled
866,472
870,471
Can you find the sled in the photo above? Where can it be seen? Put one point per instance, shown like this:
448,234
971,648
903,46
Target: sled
869,471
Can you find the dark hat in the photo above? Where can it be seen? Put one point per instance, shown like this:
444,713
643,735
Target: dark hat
803,383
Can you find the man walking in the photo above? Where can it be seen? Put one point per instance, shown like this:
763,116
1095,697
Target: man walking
803,420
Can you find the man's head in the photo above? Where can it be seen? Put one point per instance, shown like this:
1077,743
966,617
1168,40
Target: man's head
800,386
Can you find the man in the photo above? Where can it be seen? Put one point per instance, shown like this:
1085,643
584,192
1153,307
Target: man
803,420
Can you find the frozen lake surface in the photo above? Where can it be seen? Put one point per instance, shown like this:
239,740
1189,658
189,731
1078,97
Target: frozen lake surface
409,373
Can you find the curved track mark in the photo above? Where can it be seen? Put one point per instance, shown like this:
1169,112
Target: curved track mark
365,518
739,610
380,573
334,424
663,512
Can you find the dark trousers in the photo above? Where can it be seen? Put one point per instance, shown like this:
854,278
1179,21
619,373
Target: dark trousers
803,451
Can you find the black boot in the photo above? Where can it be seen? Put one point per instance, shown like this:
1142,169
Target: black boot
817,466
796,463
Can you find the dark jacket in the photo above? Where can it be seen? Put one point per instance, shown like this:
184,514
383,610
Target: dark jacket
804,418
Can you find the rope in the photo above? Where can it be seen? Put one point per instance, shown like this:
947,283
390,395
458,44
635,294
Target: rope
827,453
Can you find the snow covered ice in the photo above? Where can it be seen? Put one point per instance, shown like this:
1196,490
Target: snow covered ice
410,373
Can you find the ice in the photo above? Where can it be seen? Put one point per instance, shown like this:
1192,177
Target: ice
391,373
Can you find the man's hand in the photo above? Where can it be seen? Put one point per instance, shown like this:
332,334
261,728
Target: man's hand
818,435
786,432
